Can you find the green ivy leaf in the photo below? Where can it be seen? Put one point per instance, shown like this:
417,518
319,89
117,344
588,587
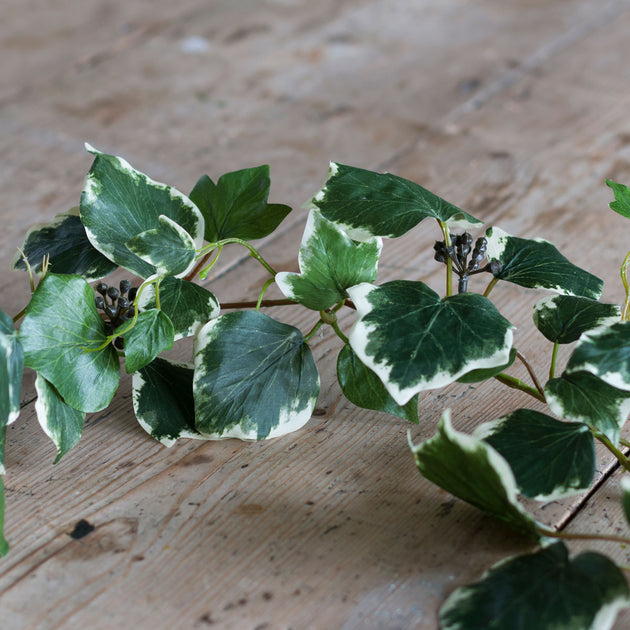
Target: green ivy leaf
163,400
188,305
367,204
11,368
621,205
255,377
169,248
604,352
236,206
472,470
583,397
537,264
477,376
563,318
65,242
540,591
364,389
119,203
60,335
152,334
60,422
330,262
550,459
4,545
415,341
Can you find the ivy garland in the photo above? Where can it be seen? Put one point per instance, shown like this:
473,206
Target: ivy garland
253,377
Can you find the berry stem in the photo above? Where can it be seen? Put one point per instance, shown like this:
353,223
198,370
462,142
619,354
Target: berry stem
490,286
449,262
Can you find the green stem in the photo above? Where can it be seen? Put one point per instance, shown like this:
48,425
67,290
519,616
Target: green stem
515,383
253,252
626,285
313,330
532,374
449,262
552,533
157,296
490,286
19,316
203,274
198,267
624,442
554,356
262,293
330,318
621,458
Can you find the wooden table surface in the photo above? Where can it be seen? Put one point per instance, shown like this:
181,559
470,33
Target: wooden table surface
515,111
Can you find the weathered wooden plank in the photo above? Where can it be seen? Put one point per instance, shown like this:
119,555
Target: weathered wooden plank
332,525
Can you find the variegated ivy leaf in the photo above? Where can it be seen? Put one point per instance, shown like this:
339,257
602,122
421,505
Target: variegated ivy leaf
550,459
472,470
537,264
583,397
330,262
563,318
255,377
65,243
163,400
604,352
415,341
119,202
541,591
11,368
476,376
4,545
169,248
236,206
60,422
188,305
364,389
621,205
367,204
151,334
64,340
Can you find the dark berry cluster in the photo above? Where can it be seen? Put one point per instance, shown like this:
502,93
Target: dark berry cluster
117,304
459,252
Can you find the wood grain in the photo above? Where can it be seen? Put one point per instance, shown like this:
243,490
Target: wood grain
514,111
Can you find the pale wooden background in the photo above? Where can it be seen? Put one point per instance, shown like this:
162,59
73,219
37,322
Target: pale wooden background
516,111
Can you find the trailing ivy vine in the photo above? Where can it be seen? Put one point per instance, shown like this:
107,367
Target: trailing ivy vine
253,377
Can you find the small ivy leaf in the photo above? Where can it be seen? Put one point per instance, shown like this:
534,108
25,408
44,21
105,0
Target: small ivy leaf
364,389
169,248
4,545
621,205
152,334
550,459
563,318
367,204
540,591
236,206
604,352
60,422
583,397
414,341
188,305
11,368
119,202
625,497
330,262
537,264
163,400
474,471
476,376
255,377
66,244
60,335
